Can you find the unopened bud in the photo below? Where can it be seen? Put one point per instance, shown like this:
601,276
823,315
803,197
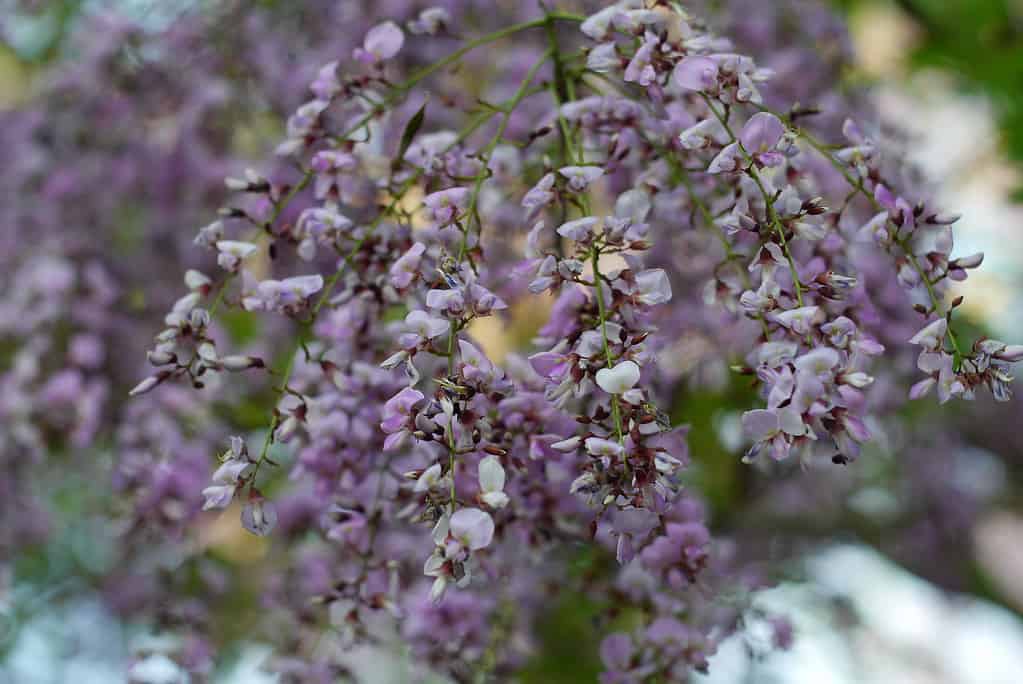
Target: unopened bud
149,383
240,363
195,280
286,430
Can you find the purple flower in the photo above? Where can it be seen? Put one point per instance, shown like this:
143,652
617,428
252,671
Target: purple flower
446,206
396,416
580,177
284,296
431,21
932,336
259,517
760,137
773,429
580,230
406,268
232,252
326,84
697,73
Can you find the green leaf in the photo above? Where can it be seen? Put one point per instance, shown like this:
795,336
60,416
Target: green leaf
411,129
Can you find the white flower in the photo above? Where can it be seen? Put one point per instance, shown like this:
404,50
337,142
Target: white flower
580,229
233,252
654,287
818,362
207,352
761,425
603,58
209,235
430,21
633,204
434,565
472,528
394,360
949,384
857,379
932,336
1011,353
800,320
598,26
580,177
583,483
567,445
229,471
598,446
440,529
146,385
620,379
237,362
383,41
218,496
425,325
157,669
196,279
440,585
633,396
429,479
773,354
281,295
492,478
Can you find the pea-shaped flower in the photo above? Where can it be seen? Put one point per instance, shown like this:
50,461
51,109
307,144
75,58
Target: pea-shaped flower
619,379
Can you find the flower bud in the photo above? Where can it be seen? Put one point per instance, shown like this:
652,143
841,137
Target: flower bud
149,383
161,358
240,363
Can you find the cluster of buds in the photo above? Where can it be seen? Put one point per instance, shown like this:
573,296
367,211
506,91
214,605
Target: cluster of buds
236,473
185,347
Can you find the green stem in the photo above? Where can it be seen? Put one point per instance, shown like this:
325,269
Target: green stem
857,185
508,110
393,98
708,218
485,40
346,263
772,215
560,89
602,313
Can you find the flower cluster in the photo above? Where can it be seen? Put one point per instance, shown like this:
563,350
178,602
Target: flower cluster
485,453
455,320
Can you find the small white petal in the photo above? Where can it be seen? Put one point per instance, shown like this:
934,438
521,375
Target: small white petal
429,479
619,379
495,500
491,475
440,585
472,528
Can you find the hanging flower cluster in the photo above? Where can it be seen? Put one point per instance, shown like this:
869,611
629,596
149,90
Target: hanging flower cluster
410,428
637,205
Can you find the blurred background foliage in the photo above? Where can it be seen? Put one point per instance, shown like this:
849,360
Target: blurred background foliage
978,41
